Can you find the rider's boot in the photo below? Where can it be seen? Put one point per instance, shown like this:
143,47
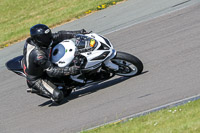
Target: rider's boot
57,96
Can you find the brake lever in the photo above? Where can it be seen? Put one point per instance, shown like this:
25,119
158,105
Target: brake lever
89,32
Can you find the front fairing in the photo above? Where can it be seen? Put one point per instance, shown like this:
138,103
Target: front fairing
102,49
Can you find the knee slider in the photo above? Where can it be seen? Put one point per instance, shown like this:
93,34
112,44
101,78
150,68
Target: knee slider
57,95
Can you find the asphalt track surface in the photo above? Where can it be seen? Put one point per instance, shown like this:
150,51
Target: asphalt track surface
168,45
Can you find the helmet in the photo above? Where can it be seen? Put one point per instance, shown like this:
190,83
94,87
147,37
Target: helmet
41,34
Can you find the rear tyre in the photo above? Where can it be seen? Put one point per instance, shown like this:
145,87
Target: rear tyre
129,65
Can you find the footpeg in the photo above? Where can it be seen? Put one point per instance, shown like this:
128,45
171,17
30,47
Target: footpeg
30,90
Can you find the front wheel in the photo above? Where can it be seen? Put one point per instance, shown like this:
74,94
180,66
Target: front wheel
129,65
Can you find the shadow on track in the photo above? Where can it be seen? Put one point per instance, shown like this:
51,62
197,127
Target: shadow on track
89,90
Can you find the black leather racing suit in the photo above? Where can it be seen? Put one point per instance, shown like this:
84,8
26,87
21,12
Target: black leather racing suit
36,63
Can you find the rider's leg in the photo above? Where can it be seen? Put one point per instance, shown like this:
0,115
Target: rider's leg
46,89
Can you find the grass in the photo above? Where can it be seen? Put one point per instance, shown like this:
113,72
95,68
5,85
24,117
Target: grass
181,119
18,16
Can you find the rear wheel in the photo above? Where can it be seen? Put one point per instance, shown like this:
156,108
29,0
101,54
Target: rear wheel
129,65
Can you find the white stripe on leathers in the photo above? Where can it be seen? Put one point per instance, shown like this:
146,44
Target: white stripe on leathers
29,50
48,87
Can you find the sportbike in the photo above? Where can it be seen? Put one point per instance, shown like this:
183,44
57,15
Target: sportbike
96,57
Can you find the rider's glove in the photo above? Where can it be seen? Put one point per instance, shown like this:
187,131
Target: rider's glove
74,70
83,31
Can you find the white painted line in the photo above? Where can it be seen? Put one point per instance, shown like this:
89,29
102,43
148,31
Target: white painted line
160,14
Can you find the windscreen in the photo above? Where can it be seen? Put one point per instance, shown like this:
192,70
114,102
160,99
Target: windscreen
85,42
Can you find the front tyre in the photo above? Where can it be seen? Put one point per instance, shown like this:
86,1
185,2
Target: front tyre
129,65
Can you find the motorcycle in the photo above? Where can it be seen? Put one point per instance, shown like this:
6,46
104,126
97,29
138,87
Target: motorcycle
96,57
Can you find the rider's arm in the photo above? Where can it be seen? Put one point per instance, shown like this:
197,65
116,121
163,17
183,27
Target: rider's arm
62,35
53,71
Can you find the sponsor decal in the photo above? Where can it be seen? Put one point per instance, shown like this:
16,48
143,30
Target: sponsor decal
40,57
89,53
50,52
61,62
24,68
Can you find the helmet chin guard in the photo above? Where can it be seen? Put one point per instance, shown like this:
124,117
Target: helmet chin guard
63,53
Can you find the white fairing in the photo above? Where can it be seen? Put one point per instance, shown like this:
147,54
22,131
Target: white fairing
96,53
99,39
90,56
63,53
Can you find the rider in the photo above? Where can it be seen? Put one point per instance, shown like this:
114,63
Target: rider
36,61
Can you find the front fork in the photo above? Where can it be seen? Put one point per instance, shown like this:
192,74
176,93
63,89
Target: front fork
108,63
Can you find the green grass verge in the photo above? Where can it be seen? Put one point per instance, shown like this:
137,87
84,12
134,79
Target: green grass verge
180,119
17,16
